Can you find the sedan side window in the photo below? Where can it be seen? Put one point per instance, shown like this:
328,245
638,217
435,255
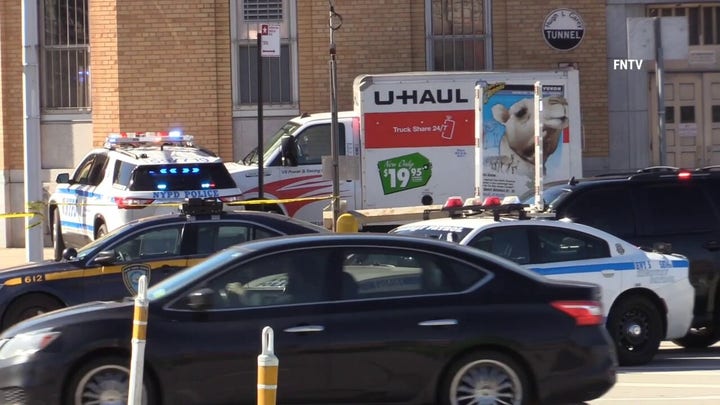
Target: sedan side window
285,278
156,243
214,237
379,273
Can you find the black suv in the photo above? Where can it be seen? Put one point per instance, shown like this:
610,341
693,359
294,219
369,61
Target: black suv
653,207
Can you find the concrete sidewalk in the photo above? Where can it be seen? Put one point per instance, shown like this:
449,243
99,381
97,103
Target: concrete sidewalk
10,257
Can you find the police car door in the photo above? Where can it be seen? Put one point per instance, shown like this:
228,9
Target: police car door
566,254
157,253
77,196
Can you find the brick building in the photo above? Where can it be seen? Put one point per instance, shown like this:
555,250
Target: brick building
135,65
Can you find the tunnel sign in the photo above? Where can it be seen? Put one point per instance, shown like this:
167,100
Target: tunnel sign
563,29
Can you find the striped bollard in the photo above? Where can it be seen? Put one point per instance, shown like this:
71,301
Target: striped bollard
267,370
139,331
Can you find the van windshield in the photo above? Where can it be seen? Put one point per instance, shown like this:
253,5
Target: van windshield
275,142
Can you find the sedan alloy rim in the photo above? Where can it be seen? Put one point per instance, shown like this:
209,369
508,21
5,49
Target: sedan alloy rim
104,385
486,382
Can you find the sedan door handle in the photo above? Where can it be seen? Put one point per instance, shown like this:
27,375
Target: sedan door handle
439,322
608,273
305,329
712,245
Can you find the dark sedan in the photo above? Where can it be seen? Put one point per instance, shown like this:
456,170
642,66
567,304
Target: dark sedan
108,268
358,319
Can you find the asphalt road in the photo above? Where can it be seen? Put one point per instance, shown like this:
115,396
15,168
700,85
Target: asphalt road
675,376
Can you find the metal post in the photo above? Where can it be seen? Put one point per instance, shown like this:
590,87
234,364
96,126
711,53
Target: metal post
479,139
659,68
31,128
267,364
334,136
539,165
260,147
139,334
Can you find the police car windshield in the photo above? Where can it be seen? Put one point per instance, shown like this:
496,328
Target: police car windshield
188,277
181,177
441,232
92,247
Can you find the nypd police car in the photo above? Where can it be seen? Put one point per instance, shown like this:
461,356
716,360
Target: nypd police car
646,296
134,175
109,268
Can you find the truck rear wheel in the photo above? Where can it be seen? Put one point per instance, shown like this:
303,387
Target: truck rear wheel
699,338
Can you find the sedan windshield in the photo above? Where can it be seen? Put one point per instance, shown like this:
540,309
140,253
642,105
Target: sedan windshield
191,275
92,247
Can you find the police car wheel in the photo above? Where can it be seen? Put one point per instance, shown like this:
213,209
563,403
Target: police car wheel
101,230
699,338
104,380
29,306
58,242
635,326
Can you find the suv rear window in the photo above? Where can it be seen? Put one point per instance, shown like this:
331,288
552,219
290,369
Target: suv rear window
173,177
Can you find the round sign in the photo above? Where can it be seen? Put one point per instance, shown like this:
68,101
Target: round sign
563,29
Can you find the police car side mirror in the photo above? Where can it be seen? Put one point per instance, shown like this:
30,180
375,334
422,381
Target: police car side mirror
106,257
69,253
202,299
62,178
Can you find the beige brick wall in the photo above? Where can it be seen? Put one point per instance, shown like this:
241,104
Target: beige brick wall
11,87
519,44
161,65
376,37
165,63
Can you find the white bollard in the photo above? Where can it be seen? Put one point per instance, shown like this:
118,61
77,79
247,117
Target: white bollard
267,370
137,360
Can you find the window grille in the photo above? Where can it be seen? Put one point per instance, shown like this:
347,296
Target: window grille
703,20
263,10
456,35
278,72
65,58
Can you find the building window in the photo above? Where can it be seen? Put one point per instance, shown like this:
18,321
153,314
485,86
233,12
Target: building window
703,21
457,34
278,73
65,55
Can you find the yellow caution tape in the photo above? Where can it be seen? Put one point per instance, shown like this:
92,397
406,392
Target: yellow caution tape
280,201
19,214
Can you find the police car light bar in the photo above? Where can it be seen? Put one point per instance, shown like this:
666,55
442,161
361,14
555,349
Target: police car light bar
119,138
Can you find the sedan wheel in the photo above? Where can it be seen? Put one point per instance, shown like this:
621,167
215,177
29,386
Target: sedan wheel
486,378
103,381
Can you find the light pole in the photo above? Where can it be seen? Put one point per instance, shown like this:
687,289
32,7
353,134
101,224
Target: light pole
31,130
334,24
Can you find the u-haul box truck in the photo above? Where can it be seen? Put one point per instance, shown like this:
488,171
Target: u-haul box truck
410,142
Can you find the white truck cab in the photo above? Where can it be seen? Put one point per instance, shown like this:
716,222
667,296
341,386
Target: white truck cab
292,166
